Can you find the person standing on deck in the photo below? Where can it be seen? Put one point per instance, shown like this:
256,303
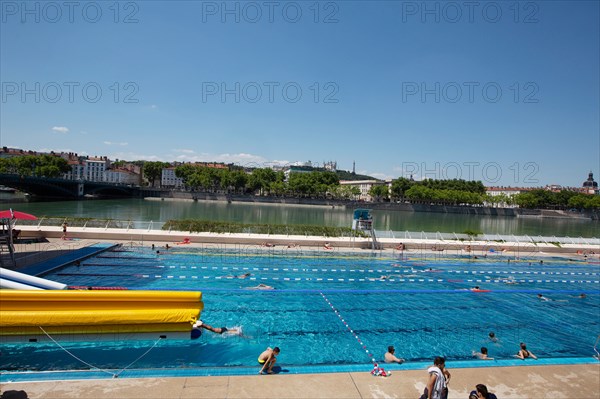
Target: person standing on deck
437,386
64,229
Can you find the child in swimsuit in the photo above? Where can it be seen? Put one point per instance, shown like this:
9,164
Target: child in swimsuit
268,359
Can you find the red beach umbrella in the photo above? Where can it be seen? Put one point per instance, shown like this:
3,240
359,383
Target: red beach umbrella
10,214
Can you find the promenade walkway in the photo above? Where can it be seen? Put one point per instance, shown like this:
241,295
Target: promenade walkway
453,247
532,382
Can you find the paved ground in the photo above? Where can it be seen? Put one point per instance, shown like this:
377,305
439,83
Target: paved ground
533,382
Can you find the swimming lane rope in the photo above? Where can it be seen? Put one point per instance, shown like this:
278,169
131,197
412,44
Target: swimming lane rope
349,329
114,375
345,269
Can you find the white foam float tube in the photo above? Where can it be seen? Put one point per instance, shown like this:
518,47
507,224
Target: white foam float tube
12,285
30,282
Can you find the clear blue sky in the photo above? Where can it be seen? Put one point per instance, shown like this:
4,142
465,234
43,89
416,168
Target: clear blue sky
369,73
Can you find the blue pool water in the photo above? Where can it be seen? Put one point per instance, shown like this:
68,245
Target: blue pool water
423,307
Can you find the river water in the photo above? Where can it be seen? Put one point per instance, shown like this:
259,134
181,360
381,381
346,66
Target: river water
161,211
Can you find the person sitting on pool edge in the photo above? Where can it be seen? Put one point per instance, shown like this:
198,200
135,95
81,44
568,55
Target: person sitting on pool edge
268,359
524,353
389,356
483,355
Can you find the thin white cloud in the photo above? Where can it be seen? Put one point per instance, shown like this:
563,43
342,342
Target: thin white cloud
186,155
133,156
281,162
184,150
241,158
113,143
61,129
380,176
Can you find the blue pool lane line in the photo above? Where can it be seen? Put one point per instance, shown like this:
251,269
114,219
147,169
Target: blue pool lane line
346,270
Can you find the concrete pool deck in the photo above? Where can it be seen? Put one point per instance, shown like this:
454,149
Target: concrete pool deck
580,381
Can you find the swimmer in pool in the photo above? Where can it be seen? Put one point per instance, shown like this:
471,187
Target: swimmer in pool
390,357
218,330
483,354
262,287
239,276
510,280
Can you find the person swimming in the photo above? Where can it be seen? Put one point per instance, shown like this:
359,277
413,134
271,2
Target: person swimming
510,280
261,286
217,330
242,276
483,354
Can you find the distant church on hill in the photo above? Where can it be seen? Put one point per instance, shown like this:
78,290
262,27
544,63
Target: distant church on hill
590,186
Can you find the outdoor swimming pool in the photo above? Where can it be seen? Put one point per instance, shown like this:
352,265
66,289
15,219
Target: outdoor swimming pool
422,306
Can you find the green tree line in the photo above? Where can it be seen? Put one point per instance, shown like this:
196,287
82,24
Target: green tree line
402,185
265,181
557,200
454,191
35,165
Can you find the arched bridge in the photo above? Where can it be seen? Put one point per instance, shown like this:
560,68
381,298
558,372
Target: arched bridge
62,188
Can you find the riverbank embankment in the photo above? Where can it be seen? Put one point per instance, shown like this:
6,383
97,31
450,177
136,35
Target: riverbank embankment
384,206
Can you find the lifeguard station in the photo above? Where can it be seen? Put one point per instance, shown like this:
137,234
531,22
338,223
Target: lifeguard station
6,239
363,221
8,233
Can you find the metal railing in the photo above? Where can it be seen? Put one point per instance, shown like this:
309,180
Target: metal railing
439,236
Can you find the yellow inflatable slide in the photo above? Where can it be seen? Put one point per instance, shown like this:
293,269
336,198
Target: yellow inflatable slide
35,315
